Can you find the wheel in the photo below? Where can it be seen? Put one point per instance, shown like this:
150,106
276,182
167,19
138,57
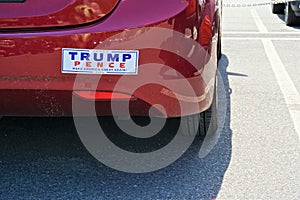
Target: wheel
278,8
219,46
290,17
199,124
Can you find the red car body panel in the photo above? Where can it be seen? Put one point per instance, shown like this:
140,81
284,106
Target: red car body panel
31,82
63,13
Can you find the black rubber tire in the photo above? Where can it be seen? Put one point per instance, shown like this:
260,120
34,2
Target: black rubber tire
219,47
199,124
278,8
290,18
219,44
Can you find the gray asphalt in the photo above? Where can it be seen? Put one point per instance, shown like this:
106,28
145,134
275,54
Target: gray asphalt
43,158
256,157
265,159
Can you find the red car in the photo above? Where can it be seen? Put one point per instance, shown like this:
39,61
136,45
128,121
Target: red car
129,53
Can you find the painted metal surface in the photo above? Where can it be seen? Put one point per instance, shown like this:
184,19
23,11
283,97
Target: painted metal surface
60,13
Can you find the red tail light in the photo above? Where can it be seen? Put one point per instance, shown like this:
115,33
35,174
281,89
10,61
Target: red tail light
205,31
191,9
103,96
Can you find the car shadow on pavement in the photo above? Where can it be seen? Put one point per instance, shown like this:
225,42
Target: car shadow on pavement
44,158
281,16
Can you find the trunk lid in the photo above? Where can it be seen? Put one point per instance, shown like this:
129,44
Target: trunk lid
28,14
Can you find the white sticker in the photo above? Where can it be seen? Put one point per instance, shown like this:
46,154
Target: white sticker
96,61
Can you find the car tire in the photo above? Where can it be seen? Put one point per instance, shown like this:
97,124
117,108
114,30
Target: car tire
290,17
200,123
278,8
219,46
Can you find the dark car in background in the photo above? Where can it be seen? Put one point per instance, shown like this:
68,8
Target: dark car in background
291,9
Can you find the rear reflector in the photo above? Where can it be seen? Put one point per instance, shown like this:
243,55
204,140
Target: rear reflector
191,9
103,96
205,31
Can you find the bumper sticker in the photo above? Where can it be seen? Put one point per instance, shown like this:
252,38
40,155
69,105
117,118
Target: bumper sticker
96,61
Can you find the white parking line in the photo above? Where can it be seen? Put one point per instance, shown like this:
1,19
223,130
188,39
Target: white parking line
287,87
257,33
260,25
259,38
285,83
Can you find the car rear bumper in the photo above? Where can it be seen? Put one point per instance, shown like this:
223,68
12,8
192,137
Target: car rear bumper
50,102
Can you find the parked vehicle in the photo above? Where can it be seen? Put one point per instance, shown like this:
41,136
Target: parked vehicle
291,9
45,47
